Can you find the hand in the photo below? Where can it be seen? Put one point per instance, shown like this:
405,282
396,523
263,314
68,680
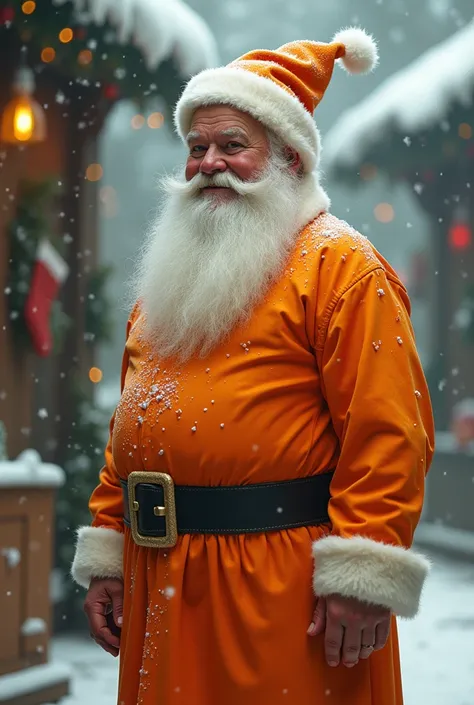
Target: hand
353,629
104,593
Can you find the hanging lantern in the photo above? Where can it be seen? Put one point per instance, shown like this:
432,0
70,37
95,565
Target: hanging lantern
23,119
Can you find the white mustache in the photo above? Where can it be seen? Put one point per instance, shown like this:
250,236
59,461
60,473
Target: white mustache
221,180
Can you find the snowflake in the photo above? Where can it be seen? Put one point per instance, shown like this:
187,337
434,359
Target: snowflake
169,592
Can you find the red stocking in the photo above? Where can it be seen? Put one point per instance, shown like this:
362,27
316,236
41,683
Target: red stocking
49,272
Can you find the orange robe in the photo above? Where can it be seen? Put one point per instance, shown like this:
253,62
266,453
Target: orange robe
325,375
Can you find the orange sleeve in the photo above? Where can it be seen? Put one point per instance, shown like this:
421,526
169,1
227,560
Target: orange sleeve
106,503
380,408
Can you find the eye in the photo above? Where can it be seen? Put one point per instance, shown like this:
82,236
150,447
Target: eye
234,145
197,149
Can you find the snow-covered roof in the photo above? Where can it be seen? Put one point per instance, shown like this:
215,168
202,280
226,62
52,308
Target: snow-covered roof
28,471
410,101
158,28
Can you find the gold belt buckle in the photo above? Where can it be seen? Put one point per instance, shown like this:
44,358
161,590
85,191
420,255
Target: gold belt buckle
168,511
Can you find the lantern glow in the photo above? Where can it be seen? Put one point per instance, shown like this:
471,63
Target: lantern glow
23,121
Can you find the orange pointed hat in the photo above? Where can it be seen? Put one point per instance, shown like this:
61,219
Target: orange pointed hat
280,88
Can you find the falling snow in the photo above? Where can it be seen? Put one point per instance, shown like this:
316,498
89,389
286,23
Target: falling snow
436,648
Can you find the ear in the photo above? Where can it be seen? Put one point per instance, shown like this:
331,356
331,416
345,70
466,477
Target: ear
293,159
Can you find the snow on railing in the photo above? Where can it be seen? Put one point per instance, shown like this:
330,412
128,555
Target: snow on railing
28,470
33,626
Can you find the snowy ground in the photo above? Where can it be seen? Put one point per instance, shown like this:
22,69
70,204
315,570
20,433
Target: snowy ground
437,648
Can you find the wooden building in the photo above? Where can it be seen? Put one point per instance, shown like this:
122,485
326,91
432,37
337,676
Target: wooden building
73,60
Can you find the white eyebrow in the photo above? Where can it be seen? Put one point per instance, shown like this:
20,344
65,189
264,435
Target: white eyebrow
235,132
193,135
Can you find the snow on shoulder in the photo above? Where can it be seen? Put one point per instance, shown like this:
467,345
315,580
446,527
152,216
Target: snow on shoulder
332,233
412,100
159,29
28,471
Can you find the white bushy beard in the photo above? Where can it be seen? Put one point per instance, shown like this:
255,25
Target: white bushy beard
207,262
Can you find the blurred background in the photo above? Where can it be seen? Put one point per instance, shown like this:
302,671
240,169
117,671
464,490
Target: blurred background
87,89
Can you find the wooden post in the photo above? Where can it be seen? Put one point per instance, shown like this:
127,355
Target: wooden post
80,206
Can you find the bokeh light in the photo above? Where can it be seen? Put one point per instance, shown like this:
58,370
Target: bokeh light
48,54
465,131
28,7
368,172
460,236
384,212
137,122
155,120
95,375
94,172
66,35
85,57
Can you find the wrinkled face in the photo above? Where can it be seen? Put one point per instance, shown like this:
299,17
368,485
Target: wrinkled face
224,139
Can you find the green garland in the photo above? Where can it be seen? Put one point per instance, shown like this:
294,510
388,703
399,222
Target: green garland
25,231
99,310
27,228
118,69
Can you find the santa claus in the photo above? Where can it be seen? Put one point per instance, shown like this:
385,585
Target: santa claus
252,528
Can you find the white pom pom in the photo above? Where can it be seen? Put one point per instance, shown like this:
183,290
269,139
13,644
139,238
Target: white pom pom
362,55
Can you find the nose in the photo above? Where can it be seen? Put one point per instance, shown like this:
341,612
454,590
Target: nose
212,162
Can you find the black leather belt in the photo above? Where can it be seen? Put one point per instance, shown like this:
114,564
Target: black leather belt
157,511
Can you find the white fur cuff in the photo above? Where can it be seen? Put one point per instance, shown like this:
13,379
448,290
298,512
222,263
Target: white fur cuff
99,554
370,571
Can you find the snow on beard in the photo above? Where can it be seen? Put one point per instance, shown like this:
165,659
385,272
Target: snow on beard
207,261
